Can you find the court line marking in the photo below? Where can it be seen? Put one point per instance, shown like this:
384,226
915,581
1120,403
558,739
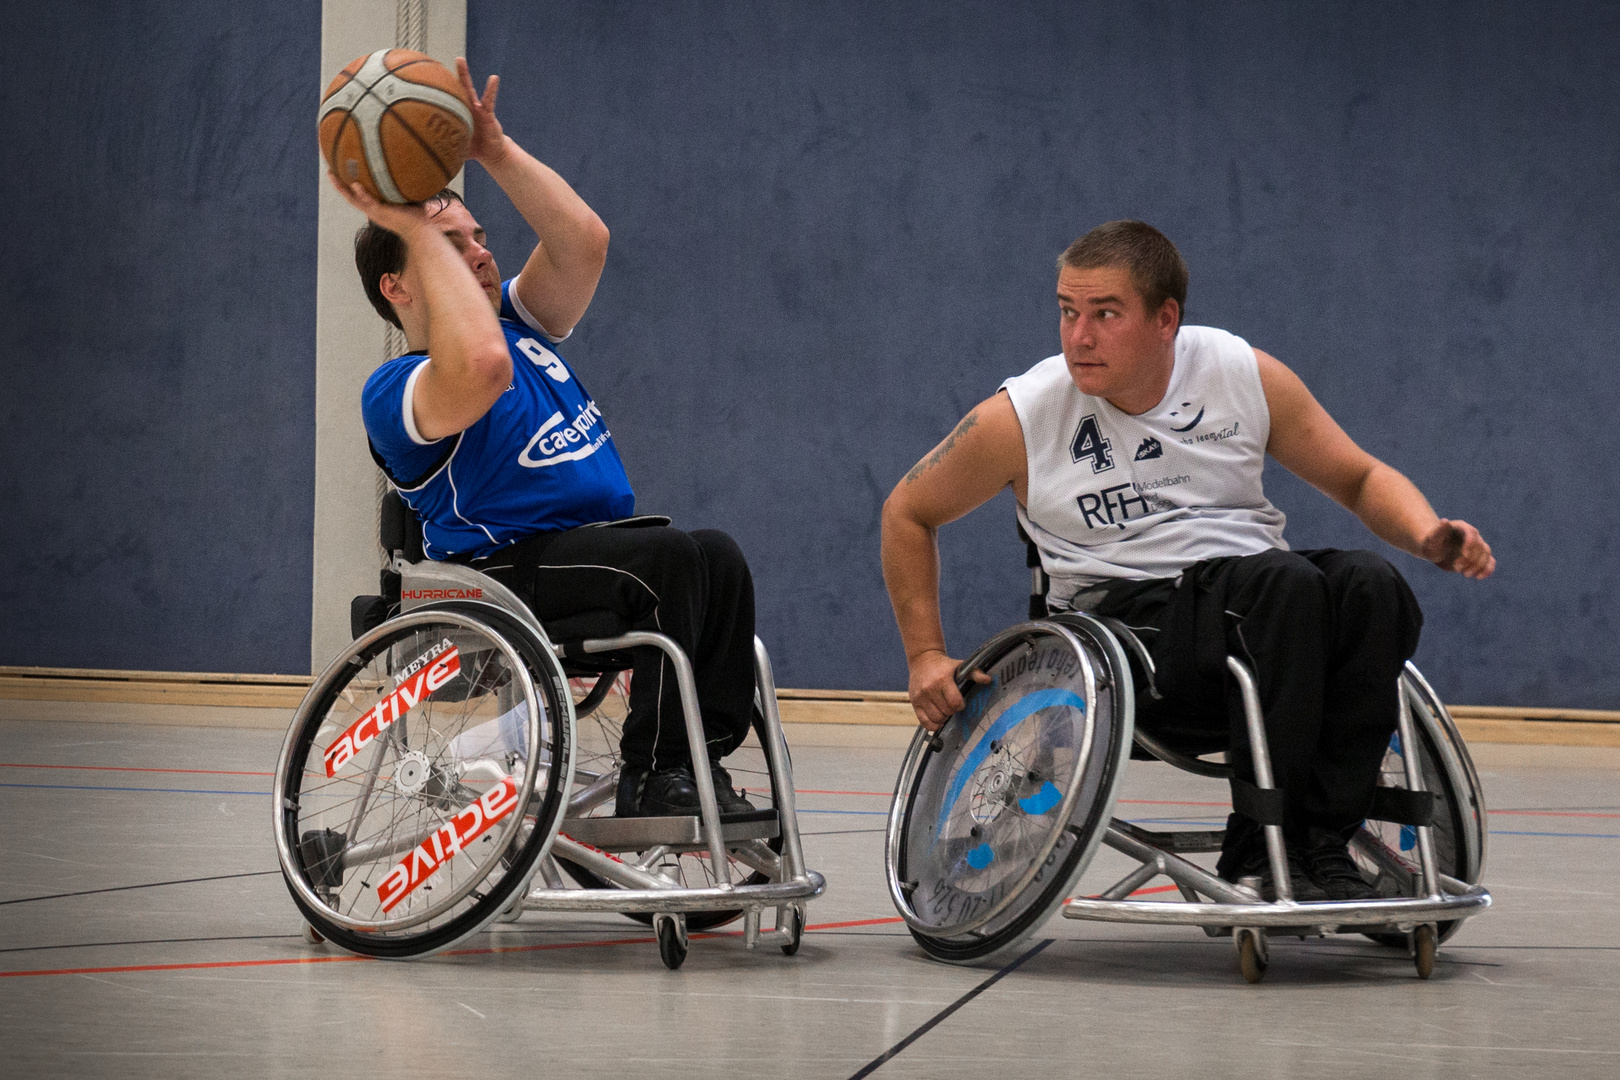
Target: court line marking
144,885
494,950
133,768
944,1014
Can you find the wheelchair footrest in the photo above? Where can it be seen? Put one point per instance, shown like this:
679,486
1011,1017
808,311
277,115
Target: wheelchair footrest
639,834
1324,917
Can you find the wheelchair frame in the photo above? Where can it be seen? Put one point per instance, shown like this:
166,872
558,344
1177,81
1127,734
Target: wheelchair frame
581,840
1238,908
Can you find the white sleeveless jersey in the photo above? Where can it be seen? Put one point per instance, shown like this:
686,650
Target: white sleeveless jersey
1118,496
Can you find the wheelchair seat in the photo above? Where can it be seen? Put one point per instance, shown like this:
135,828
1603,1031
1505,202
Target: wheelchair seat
458,750
997,816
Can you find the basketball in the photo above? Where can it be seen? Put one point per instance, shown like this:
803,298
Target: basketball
395,122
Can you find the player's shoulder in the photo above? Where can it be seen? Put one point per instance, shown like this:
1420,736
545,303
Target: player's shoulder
390,371
1210,348
1051,371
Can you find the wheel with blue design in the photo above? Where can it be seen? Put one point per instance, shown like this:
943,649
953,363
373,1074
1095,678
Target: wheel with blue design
1386,852
996,816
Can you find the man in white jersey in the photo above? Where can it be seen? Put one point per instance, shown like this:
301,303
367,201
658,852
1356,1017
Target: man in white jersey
488,434
1136,459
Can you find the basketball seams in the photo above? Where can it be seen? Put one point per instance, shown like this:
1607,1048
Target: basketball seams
365,106
406,125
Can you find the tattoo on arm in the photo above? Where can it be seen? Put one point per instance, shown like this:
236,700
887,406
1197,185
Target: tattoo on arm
944,448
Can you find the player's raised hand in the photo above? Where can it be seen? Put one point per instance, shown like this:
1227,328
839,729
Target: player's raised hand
400,219
488,143
1457,546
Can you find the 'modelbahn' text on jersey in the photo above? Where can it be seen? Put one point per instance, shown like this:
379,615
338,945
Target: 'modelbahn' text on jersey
1113,495
540,460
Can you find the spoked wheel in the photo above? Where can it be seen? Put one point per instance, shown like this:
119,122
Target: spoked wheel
422,777
996,817
599,732
1387,852
672,941
1253,956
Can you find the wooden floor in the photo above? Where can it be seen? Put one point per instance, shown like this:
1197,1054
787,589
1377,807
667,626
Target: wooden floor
840,717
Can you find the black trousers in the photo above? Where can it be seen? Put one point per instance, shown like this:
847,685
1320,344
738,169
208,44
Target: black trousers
694,587
1326,633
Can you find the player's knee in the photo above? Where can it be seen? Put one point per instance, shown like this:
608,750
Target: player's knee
719,549
1369,575
1289,570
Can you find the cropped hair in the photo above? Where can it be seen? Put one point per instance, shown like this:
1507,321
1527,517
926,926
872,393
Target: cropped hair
1156,267
377,251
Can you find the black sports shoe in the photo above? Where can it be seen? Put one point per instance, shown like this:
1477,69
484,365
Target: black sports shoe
1244,855
730,801
669,793
1327,860
627,800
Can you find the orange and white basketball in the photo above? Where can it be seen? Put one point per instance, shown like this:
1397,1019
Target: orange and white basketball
396,122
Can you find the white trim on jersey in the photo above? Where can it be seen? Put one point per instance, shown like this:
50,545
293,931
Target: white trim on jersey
529,320
409,412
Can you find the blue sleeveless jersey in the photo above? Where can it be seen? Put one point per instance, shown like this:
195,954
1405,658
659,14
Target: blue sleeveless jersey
540,460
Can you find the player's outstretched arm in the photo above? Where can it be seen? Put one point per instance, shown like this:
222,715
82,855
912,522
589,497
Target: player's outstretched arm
558,281
983,455
469,366
1310,444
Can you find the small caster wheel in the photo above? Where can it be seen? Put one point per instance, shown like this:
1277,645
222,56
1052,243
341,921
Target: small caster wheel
311,935
672,943
1425,945
1252,953
795,928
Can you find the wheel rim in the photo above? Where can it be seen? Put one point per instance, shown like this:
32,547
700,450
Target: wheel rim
403,773
982,827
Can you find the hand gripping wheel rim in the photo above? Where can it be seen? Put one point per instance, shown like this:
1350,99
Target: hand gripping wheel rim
1031,715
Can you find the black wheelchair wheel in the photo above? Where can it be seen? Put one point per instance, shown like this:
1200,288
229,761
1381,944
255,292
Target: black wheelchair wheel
996,817
421,780
1385,851
601,709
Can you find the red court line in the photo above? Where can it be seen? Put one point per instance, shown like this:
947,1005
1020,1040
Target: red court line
347,958
131,768
1552,813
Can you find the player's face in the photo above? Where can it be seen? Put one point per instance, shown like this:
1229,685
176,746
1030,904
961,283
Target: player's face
1114,346
467,236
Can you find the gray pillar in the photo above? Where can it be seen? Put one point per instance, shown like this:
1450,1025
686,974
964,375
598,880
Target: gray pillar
350,338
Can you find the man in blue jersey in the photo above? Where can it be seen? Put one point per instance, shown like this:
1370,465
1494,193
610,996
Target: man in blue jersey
488,434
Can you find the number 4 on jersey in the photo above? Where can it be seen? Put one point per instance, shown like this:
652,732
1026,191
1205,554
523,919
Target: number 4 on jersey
1089,443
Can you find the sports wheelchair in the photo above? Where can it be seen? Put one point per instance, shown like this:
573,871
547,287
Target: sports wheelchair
442,762
997,815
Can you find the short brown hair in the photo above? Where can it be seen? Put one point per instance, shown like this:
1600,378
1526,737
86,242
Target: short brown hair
378,251
1156,267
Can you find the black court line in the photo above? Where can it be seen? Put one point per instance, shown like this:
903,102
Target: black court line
153,941
935,1020
147,885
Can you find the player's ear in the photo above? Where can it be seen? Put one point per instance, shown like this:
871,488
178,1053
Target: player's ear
1168,318
393,289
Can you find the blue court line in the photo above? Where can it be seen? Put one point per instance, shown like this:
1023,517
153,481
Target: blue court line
165,790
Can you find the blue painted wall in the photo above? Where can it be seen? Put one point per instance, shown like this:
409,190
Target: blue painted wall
834,228
157,334
835,225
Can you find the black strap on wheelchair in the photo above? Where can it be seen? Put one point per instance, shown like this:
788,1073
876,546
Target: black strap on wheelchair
1402,807
1264,805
